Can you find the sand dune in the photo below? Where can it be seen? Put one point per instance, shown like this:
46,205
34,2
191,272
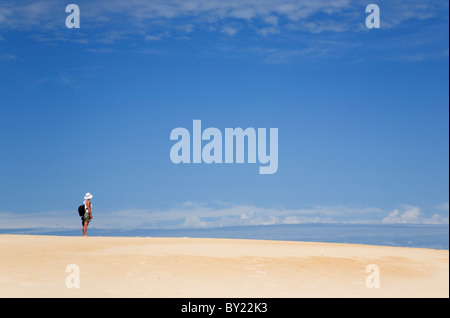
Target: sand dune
35,266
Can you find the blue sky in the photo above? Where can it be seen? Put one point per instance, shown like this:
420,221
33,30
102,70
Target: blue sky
362,114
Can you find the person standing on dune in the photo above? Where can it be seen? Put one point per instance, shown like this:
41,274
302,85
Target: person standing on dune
87,217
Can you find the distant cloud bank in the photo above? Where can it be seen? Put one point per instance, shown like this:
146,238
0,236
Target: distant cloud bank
221,214
412,215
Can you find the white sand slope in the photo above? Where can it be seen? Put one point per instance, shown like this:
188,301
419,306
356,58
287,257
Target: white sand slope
35,266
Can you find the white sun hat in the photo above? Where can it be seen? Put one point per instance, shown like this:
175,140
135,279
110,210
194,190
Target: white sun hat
88,196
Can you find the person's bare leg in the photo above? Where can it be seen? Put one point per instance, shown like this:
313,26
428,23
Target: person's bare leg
85,228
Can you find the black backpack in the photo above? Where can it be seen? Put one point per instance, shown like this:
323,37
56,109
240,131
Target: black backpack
81,210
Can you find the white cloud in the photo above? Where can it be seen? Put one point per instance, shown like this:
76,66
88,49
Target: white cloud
306,220
228,30
8,56
219,10
268,31
30,14
320,26
194,222
152,37
443,207
394,217
271,19
412,215
396,12
298,22
47,13
51,219
99,50
188,214
436,219
219,214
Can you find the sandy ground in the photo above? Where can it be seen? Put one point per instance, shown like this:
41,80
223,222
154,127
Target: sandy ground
35,266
